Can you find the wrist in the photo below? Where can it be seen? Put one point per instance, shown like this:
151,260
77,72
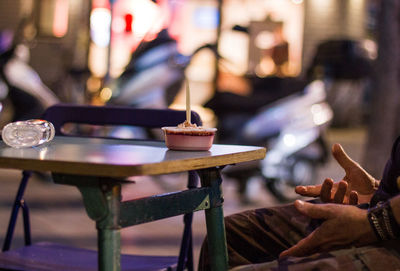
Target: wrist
383,222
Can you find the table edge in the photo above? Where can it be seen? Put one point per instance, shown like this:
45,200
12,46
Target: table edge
99,169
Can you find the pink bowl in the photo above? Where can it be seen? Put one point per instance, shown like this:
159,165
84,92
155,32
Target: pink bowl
189,139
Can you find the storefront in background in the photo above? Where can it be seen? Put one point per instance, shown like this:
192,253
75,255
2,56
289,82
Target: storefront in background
281,35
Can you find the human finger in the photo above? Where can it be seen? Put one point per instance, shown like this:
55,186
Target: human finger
342,158
318,211
353,198
340,192
326,190
309,190
304,247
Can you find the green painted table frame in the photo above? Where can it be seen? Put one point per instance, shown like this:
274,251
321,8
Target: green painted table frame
97,167
102,200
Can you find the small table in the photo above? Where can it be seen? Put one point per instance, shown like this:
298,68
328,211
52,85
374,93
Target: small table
98,166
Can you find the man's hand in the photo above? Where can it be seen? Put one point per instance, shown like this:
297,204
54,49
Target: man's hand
344,225
331,192
357,186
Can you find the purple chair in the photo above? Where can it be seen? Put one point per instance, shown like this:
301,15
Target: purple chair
49,256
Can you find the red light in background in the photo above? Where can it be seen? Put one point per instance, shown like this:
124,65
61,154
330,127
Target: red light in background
128,22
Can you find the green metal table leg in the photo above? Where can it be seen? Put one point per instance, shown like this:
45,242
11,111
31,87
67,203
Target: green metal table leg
109,236
109,257
102,198
215,220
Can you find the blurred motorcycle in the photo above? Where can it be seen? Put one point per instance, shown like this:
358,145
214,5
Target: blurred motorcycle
153,76
22,92
291,127
152,79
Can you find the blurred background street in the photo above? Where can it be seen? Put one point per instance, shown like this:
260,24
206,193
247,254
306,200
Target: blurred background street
288,75
57,214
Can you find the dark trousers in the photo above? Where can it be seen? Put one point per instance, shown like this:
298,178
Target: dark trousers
255,238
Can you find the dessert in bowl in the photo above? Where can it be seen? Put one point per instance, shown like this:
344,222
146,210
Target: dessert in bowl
189,137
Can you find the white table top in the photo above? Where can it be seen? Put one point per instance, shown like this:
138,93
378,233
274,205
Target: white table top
120,158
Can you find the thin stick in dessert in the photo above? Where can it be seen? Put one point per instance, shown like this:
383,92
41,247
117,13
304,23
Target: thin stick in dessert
188,102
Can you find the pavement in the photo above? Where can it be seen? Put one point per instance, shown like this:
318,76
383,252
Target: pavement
57,214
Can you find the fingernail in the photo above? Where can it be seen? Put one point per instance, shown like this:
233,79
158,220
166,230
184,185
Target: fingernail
299,203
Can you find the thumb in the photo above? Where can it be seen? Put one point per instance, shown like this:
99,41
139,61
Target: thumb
317,211
342,158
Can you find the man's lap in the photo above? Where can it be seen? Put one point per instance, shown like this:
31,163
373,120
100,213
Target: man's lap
373,258
255,238
260,235
278,228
